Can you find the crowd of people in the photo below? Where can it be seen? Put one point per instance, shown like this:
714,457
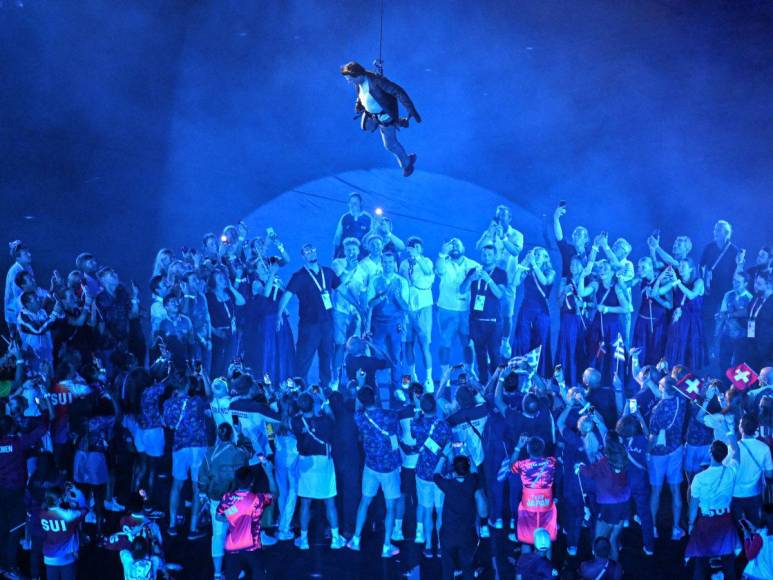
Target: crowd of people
517,433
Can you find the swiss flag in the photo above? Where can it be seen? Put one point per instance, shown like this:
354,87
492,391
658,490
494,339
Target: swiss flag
742,376
690,386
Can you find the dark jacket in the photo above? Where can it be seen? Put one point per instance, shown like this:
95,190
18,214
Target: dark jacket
386,93
220,465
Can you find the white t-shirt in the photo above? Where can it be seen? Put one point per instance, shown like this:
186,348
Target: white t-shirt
369,269
753,461
720,424
420,284
449,296
371,105
713,487
146,569
220,412
352,285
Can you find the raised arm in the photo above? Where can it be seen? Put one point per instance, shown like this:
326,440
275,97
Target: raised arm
442,257
337,235
557,230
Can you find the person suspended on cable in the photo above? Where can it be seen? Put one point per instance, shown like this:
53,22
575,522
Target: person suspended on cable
376,107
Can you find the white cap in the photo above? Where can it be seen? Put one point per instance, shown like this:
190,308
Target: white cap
220,387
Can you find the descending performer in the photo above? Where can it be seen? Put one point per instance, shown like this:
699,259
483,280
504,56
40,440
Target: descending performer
377,104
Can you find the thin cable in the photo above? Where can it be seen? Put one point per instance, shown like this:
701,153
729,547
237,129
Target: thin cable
381,35
380,63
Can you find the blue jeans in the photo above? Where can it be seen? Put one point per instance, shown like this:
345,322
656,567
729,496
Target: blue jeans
387,336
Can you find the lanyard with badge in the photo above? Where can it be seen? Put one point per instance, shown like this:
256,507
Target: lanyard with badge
480,296
392,438
429,442
754,312
323,293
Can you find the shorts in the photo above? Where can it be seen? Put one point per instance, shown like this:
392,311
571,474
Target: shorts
342,323
150,441
528,521
696,457
187,459
389,483
429,494
452,323
666,467
419,324
614,513
316,477
90,467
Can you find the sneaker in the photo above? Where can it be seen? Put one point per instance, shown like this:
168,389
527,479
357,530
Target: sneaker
171,531
428,553
301,543
429,385
267,540
397,535
285,535
419,539
196,535
353,544
12,574
637,519
512,537
389,551
647,551
337,543
113,506
677,534
572,551
484,531
91,518
408,169
498,524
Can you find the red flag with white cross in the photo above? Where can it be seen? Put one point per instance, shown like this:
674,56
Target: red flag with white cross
690,386
742,376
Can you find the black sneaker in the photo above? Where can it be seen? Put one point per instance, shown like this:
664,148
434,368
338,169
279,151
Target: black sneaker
408,169
196,535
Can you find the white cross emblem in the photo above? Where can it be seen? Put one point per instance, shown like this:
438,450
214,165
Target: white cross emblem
741,375
692,385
